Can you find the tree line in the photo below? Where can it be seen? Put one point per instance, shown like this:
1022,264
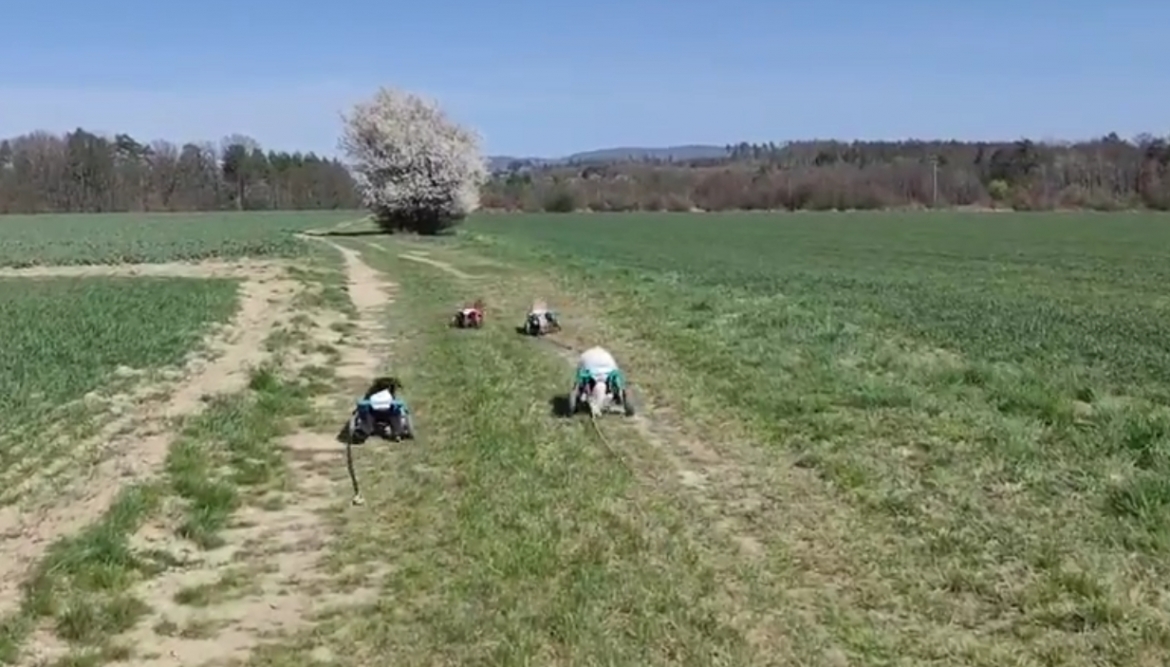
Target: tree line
1104,174
83,172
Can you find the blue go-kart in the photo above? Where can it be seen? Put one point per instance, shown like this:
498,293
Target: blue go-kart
381,412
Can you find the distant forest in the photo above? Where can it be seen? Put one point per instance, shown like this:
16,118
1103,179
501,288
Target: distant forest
84,172
1106,174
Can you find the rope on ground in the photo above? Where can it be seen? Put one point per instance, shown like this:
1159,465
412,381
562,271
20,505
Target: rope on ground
554,341
349,443
604,440
357,494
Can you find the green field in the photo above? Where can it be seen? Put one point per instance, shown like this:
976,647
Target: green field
863,439
28,240
65,337
80,351
984,394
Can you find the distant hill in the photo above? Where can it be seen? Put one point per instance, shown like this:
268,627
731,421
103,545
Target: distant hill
690,152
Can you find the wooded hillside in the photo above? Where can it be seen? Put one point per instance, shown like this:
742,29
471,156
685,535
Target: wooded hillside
84,172
1106,174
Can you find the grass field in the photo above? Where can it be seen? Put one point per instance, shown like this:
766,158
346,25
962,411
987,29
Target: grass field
101,239
66,337
128,406
984,394
863,439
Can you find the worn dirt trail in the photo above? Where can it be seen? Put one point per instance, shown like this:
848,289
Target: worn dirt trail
422,258
279,550
246,269
135,444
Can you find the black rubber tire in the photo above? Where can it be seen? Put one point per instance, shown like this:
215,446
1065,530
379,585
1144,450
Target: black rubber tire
356,435
627,404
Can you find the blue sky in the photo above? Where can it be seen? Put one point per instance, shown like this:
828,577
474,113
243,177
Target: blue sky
548,78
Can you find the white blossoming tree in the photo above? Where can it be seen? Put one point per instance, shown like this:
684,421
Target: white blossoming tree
417,169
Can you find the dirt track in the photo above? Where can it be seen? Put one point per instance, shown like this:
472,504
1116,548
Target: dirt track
135,444
282,547
249,269
284,544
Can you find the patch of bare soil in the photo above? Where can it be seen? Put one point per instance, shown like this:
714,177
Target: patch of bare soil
276,581
134,445
264,583
370,294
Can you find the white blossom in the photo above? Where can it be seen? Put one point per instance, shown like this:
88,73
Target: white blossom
415,167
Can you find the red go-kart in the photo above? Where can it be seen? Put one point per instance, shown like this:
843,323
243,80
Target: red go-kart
469,317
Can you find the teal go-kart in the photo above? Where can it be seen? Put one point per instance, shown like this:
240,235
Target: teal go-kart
381,412
600,397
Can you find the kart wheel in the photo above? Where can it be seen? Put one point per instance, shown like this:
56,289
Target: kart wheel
627,404
357,435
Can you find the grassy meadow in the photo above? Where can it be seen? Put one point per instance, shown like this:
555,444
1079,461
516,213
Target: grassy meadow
981,399
112,238
70,339
67,337
863,439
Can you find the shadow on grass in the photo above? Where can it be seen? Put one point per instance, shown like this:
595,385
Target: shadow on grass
559,406
446,233
350,232
343,435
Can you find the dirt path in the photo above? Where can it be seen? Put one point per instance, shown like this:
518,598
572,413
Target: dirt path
247,269
280,550
370,294
421,258
135,445
341,226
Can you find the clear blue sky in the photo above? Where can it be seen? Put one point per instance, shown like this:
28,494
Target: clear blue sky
550,78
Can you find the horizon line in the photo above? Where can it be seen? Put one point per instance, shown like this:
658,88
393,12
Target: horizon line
1046,141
